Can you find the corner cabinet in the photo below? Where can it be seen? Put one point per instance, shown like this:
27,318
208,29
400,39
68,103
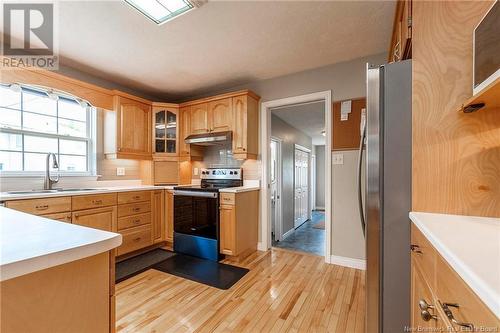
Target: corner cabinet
127,129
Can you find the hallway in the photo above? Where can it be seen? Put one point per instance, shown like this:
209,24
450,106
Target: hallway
306,238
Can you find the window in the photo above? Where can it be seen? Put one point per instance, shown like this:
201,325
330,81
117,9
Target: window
161,11
34,123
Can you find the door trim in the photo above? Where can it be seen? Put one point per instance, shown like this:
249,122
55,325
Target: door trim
265,138
279,174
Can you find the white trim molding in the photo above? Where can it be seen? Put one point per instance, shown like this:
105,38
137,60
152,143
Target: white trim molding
288,233
265,137
348,262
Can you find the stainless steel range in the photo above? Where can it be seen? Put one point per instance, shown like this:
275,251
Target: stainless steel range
196,212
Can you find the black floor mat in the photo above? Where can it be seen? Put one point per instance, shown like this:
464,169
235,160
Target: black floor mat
138,264
208,272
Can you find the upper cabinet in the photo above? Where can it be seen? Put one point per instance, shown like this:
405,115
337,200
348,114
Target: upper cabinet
199,119
128,129
165,129
245,127
220,115
401,32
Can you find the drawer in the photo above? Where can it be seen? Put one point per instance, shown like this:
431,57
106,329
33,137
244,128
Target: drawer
450,288
63,217
136,196
135,239
135,208
93,201
227,199
134,221
424,255
41,206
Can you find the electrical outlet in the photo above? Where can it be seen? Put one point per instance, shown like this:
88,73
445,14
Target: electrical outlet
338,159
195,171
120,171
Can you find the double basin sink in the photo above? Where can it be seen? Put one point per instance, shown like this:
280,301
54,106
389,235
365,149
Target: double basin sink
58,190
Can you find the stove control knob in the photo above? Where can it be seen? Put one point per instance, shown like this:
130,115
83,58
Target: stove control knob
213,172
235,172
230,172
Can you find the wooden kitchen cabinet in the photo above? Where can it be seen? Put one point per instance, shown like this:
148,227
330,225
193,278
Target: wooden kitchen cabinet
41,206
187,151
169,216
98,218
165,129
245,127
220,115
400,48
158,231
238,214
434,281
127,129
63,217
199,119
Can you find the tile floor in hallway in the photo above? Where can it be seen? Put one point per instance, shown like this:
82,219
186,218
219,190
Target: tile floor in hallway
306,238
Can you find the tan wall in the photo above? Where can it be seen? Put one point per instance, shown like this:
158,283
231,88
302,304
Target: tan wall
456,156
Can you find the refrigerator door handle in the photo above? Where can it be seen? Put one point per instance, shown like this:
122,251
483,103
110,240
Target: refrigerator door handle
360,163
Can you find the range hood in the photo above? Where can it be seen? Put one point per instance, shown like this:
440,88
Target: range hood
209,139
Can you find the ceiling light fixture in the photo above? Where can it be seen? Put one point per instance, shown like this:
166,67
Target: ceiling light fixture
161,11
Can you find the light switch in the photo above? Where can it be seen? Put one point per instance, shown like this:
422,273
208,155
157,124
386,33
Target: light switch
337,159
120,171
195,171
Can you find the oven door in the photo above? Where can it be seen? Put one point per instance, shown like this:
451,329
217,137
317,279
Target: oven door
196,213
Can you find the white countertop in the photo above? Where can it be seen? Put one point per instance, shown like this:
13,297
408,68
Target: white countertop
471,246
30,243
5,196
240,189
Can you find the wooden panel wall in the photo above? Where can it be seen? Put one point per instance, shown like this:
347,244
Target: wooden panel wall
346,133
456,156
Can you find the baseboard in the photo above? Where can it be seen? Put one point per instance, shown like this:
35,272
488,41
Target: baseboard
288,233
261,247
319,208
348,262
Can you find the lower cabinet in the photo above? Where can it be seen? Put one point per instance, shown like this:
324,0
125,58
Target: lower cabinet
63,217
440,300
98,218
135,239
239,216
158,221
169,216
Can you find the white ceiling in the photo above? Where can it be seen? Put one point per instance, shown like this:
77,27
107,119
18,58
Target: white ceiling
308,118
219,45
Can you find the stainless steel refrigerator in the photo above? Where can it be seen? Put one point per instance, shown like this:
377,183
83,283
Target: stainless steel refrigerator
387,196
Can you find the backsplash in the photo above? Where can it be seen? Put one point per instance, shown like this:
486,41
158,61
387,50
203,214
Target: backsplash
222,156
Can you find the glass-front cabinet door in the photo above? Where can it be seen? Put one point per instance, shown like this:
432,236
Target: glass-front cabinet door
165,130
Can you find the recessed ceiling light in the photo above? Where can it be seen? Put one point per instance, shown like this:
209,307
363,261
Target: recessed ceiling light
161,11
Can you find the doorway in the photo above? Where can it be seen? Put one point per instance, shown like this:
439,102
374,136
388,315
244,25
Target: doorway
304,176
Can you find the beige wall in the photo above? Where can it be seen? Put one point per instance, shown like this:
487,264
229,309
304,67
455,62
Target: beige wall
319,151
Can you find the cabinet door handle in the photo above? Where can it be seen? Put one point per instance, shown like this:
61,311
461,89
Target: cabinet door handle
451,317
42,207
426,315
423,305
415,248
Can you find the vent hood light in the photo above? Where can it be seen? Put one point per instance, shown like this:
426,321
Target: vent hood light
161,11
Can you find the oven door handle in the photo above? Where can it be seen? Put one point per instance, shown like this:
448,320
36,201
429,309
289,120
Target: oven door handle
196,194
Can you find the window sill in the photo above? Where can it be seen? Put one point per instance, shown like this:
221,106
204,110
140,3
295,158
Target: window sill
13,174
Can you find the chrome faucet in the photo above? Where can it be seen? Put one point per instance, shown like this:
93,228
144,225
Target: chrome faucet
47,183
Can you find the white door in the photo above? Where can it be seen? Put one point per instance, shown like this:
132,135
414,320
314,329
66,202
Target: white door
301,186
276,190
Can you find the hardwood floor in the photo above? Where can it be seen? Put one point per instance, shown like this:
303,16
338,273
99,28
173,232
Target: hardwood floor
284,291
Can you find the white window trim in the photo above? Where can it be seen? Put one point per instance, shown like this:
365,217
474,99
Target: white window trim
91,153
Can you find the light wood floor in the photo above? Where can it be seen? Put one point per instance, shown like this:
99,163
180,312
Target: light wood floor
283,292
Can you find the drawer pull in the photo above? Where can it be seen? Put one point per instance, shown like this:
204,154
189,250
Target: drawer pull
42,207
137,197
137,239
415,248
137,221
449,314
97,202
426,315
136,209
423,305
